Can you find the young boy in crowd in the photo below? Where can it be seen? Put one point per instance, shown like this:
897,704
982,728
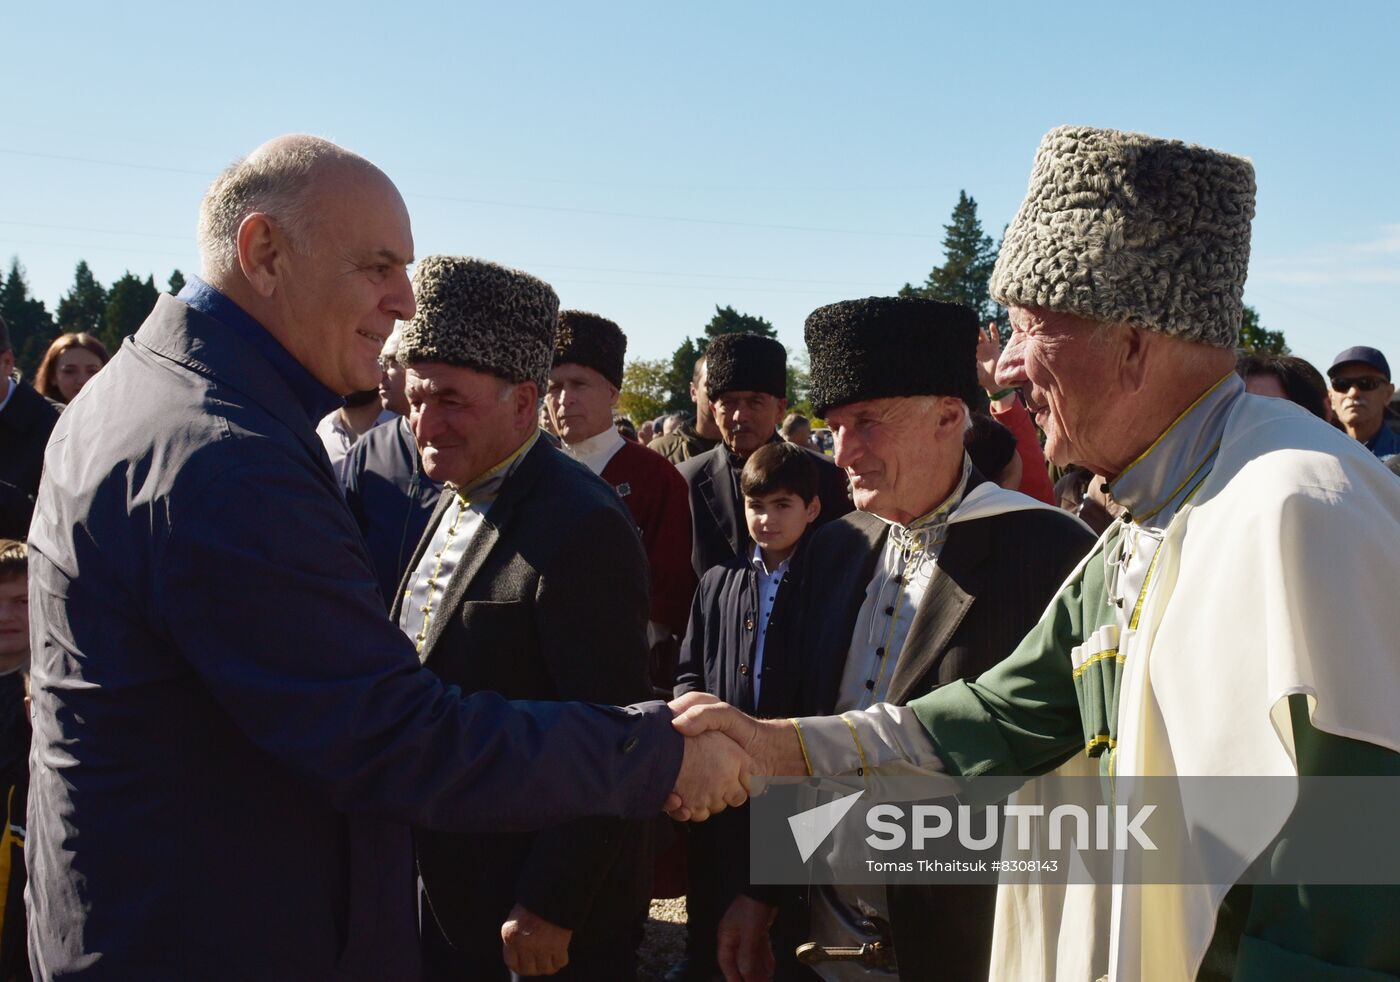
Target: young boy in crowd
724,653
14,754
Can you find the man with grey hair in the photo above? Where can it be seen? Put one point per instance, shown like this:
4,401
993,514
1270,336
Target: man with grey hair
385,486
934,577
231,737
1237,620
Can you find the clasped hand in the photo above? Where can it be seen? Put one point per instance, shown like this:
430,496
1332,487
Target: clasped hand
725,750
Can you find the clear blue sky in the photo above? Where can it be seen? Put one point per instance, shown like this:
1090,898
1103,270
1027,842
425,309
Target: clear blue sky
653,160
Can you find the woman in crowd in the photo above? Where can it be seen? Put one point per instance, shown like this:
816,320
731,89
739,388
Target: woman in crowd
71,361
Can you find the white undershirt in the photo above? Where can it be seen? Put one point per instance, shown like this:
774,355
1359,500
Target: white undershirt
595,452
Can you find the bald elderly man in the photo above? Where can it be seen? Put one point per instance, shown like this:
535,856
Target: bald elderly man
232,738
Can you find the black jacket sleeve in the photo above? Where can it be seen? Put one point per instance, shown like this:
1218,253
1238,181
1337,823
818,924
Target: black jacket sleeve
591,621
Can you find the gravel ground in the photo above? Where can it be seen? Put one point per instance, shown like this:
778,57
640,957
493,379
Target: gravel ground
664,940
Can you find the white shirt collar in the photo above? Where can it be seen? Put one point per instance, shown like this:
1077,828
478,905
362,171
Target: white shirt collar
595,452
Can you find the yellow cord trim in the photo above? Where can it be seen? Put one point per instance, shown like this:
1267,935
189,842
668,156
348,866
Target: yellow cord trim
1101,656
1157,442
463,493
801,742
1152,567
860,751
1100,741
1142,594
1210,455
421,638
463,504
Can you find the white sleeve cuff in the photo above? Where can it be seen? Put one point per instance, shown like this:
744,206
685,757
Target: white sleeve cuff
884,739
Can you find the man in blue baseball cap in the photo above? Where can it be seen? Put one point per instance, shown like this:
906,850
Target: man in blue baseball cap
1361,392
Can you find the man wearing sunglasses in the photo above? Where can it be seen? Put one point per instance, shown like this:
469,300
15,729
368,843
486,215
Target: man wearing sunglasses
1361,391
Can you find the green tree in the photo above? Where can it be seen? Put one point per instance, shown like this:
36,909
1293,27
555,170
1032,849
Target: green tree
679,374
681,370
129,302
727,320
84,306
176,282
31,327
969,255
799,381
645,386
1253,336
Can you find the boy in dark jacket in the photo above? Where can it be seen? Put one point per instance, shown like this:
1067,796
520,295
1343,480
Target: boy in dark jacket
724,653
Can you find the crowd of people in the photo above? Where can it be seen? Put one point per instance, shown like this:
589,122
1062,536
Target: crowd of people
362,638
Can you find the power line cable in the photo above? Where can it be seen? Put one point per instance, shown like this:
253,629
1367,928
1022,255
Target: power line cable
559,209
104,231
525,265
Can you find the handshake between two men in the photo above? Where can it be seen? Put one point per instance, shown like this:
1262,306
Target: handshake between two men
725,749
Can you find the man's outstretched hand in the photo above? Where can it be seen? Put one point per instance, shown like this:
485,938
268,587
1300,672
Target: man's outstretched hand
764,747
715,771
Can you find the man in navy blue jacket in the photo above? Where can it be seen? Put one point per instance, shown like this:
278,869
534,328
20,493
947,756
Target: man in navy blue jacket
385,487
231,737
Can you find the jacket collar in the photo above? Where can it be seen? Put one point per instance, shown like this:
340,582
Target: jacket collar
1153,487
721,492
519,474
205,346
957,581
842,577
598,450
315,398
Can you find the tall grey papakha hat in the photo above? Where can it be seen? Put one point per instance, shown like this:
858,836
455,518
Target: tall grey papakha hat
476,314
1125,227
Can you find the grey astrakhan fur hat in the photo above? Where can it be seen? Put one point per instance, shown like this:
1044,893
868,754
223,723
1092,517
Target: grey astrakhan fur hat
593,341
1125,227
745,363
884,347
476,314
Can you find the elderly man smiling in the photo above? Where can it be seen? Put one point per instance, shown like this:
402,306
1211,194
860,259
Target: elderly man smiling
1237,621
935,577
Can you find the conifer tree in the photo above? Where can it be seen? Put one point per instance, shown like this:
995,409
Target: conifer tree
969,255
129,302
83,307
727,320
31,327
